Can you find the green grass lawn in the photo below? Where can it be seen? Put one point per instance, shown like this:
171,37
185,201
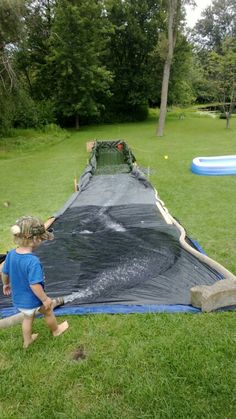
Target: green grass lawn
136,366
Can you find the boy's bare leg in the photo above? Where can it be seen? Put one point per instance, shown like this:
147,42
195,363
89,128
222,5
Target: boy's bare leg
27,331
56,329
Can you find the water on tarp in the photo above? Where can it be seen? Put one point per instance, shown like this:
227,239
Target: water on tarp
107,260
126,274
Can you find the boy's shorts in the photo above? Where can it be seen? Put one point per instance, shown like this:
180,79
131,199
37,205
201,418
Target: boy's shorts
30,312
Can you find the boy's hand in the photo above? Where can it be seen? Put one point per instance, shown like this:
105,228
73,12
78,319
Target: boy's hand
39,292
47,303
7,289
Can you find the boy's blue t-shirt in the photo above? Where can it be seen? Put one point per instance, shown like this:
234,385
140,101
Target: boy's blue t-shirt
24,270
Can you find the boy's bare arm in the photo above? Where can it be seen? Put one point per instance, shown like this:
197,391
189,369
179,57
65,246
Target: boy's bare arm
39,292
6,284
5,279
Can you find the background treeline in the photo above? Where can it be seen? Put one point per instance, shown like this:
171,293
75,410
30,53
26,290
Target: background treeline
73,62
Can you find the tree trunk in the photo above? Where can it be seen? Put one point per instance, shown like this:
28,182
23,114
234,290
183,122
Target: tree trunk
77,122
173,20
164,95
227,119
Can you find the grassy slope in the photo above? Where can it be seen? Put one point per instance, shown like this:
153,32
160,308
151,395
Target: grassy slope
138,366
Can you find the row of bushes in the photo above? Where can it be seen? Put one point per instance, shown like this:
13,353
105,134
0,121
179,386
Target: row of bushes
21,111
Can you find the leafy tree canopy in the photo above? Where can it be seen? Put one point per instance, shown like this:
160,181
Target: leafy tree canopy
217,23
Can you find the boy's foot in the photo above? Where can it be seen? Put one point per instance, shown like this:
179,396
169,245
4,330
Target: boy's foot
33,338
61,329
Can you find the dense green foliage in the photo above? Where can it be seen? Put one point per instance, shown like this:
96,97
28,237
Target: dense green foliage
80,62
86,61
214,37
136,27
218,21
222,71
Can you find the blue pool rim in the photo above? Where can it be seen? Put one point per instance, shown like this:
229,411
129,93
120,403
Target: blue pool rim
214,166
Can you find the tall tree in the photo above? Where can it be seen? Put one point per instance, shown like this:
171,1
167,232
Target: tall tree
222,76
214,38
174,8
76,46
135,30
34,47
11,23
10,28
218,21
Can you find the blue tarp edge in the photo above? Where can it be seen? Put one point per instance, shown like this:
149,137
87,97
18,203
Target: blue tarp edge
113,309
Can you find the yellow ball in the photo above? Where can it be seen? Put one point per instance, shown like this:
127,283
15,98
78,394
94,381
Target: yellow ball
166,157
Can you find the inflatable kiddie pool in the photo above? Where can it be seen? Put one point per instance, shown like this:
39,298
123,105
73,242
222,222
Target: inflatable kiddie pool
215,166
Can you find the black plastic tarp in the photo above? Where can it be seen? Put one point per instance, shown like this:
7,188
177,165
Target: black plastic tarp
112,244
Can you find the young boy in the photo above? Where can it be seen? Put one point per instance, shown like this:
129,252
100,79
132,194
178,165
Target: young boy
23,276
